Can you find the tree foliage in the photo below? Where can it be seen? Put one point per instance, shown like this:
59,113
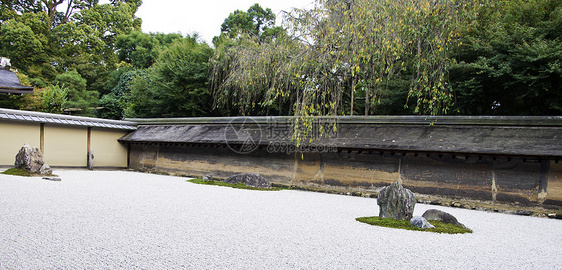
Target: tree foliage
510,62
257,22
176,85
340,57
340,49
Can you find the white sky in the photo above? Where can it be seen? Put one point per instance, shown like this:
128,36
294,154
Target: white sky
202,16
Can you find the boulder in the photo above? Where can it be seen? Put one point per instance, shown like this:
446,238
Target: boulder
396,202
421,222
30,159
249,179
207,177
434,214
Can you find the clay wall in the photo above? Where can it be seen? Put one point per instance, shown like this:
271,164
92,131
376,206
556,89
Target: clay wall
509,180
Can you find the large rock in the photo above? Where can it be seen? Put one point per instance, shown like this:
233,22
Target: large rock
434,214
396,202
30,159
421,222
249,179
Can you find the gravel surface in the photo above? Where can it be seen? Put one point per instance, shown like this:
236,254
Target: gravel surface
128,220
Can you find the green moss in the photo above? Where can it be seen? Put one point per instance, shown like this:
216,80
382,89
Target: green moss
223,184
440,227
17,172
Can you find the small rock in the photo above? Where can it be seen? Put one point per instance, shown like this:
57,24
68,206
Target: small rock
52,179
421,222
249,179
46,170
524,212
207,177
434,214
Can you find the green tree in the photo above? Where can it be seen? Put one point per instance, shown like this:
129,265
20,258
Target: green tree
115,103
256,21
138,49
346,50
25,39
176,85
78,96
510,62
53,99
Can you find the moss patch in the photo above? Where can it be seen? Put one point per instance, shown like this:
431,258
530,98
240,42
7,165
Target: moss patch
223,184
21,172
17,172
440,227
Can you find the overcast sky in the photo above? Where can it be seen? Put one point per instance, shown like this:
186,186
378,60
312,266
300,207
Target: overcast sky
201,16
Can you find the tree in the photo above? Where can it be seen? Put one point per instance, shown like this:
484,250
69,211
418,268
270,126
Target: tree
137,48
341,49
78,96
176,85
510,61
115,103
26,40
256,21
53,99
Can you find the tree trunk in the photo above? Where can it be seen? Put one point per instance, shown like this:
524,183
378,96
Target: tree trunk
352,95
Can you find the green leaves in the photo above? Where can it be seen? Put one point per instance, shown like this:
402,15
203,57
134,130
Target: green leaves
176,85
509,63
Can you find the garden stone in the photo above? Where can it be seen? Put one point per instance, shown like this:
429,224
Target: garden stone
434,214
56,179
30,159
249,179
421,222
90,160
396,202
46,170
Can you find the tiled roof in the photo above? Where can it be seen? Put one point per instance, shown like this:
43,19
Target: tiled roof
9,83
459,135
37,117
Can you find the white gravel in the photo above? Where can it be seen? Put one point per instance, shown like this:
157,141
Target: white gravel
128,220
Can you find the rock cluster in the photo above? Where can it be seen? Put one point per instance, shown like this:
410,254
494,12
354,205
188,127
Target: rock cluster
396,202
249,179
31,159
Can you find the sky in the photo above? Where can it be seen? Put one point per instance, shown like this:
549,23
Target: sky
202,16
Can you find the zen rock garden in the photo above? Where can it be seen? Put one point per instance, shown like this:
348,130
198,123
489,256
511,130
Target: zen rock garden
398,203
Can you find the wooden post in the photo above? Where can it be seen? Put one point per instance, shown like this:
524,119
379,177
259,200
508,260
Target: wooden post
42,138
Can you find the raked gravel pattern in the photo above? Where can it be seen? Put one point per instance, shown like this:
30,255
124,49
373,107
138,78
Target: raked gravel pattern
129,220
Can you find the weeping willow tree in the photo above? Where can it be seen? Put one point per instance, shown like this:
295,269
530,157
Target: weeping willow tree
340,48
